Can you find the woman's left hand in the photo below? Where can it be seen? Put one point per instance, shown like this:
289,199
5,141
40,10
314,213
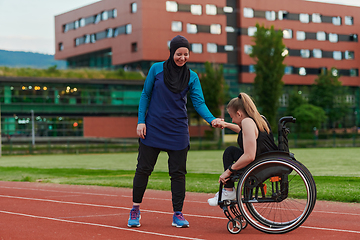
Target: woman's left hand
225,176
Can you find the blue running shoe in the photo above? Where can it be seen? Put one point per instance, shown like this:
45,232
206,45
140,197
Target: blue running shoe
134,219
179,220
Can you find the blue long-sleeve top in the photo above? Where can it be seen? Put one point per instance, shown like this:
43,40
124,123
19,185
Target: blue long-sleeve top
165,113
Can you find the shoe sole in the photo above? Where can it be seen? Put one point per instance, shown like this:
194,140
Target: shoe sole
134,225
179,226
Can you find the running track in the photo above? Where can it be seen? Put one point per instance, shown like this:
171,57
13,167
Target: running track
51,211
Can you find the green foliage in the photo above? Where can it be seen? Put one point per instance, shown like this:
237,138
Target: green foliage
269,54
295,100
308,116
330,95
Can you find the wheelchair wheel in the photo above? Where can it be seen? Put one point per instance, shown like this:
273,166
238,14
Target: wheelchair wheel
276,193
234,226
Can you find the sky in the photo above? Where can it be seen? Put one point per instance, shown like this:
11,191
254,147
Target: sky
28,25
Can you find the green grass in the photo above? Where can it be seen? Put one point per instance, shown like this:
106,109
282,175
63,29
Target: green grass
336,171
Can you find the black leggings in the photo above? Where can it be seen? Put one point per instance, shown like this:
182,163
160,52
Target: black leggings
231,155
177,169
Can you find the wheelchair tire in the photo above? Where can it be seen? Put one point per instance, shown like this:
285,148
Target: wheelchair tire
276,193
235,226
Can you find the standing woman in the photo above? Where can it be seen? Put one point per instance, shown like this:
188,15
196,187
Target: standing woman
163,125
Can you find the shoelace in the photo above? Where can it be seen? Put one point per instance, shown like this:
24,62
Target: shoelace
134,214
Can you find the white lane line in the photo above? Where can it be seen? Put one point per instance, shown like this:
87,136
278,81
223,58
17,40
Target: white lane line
99,225
331,229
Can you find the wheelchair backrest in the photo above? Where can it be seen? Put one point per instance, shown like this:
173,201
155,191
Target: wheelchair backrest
283,131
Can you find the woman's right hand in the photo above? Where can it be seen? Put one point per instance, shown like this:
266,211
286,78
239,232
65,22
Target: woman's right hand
141,130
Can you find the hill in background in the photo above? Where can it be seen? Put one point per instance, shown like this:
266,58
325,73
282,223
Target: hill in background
29,59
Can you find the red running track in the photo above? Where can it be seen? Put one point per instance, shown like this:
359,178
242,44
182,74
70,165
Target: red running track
51,211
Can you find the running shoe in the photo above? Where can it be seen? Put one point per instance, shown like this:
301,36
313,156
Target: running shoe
179,220
134,219
226,195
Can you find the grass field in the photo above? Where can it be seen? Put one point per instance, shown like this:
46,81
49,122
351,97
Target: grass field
336,170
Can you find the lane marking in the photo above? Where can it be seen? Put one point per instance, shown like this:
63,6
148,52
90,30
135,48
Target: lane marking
331,229
99,225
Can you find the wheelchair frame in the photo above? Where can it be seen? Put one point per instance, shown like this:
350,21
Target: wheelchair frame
257,205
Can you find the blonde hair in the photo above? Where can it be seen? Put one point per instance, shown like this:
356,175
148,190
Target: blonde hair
244,103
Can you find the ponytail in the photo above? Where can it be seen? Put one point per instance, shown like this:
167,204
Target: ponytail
245,103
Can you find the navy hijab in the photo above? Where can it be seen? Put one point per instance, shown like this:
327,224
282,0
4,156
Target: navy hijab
176,78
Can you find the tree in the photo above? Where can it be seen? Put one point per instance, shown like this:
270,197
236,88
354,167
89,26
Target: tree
328,94
295,100
308,116
269,53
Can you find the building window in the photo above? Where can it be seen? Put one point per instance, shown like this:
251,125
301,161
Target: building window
334,72
282,15
349,20
97,18
196,9
77,41
211,47
305,53
215,29
270,15
229,48
109,33
349,55
104,15
128,29
248,12
211,9
354,72
176,26
252,31
133,7
87,38
134,47
304,17
316,18
65,28
248,49
196,48
76,24
251,68
93,38
191,28
61,46
321,36
336,21
288,70
114,13
302,71
333,37
228,9
82,22
337,55
229,29
317,53
287,33
300,35
353,37
171,6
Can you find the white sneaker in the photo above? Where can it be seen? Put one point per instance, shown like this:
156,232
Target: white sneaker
226,195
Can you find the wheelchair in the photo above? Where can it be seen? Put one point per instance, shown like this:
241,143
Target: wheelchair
274,194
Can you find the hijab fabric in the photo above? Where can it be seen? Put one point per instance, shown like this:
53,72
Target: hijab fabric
176,78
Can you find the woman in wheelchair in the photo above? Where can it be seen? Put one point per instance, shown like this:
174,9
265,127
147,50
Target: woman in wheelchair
255,137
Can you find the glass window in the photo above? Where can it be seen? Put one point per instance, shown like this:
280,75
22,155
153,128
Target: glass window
282,15
287,33
196,48
215,29
109,33
252,31
229,48
302,71
97,18
228,9
251,68
349,55
176,26
317,53
270,15
229,29
334,72
248,12
333,37
104,15
353,73
82,22
304,17
171,6
87,38
321,36
134,47
211,47
116,32
128,29
133,7
211,9
61,46
349,20
77,41
66,28
114,13
288,70
336,21
305,53
337,55
316,18
300,35
353,37
93,38
76,24
248,49
191,28
196,9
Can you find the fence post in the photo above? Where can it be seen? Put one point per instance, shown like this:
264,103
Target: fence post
334,139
